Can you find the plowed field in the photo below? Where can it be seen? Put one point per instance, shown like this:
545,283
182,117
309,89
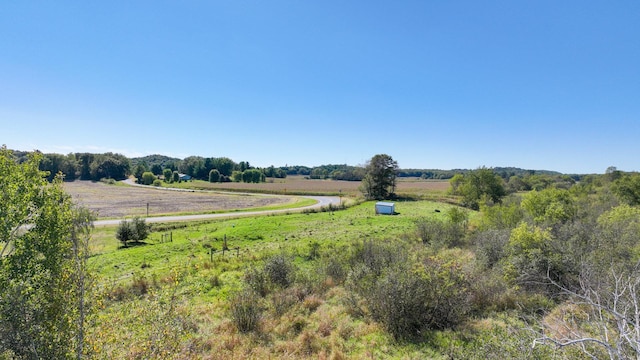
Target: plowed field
113,201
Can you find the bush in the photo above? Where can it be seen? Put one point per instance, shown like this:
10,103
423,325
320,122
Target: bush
257,281
490,246
124,232
246,310
134,230
279,270
168,175
407,297
334,268
214,176
440,234
147,178
398,302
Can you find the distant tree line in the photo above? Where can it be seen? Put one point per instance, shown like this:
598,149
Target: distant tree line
148,170
88,166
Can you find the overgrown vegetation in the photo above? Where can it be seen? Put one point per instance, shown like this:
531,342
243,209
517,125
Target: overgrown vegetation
518,278
535,266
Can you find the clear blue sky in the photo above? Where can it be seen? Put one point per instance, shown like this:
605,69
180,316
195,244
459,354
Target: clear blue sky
435,84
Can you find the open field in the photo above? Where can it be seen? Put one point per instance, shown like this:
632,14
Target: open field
300,185
171,299
113,201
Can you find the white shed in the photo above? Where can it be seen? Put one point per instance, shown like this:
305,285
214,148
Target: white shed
387,208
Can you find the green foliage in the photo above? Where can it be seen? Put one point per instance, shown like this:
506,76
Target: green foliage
627,189
506,215
110,166
379,181
41,263
236,176
168,175
619,233
139,172
480,186
549,206
175,177
408,296
54,164
279,270
490,246
193,166
272,172
148,178
156,169
530,256
214,176
253,176
440,234
135,230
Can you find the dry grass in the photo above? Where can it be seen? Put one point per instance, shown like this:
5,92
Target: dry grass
302,185
110,201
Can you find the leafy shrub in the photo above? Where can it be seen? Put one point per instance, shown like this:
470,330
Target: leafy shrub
214,176
334,268
279,270
490,246
147,178
407,297
124,232
246,310
257,281
441,234
134,230
397,301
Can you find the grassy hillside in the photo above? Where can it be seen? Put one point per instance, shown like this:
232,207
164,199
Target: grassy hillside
168,299
301,286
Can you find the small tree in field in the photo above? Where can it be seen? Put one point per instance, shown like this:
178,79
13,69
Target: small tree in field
379,181
134,230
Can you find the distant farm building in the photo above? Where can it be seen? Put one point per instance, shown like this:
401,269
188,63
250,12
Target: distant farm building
184,177
385,208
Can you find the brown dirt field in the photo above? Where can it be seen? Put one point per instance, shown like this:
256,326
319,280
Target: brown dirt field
113,201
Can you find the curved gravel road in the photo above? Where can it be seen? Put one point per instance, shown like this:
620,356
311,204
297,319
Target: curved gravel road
322,201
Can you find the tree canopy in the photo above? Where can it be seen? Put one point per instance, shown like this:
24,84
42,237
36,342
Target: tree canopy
477,186
379,181
40,263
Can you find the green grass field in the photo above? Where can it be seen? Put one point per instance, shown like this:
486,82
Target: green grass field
169,299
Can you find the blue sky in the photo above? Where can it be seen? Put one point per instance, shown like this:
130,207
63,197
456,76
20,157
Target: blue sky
435,84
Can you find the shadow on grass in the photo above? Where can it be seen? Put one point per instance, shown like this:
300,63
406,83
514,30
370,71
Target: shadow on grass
133,244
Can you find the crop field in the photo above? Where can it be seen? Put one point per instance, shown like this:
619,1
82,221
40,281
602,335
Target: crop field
113,201
301,185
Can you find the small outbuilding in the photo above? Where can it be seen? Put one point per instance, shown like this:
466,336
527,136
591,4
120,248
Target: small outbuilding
184,177
386,208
